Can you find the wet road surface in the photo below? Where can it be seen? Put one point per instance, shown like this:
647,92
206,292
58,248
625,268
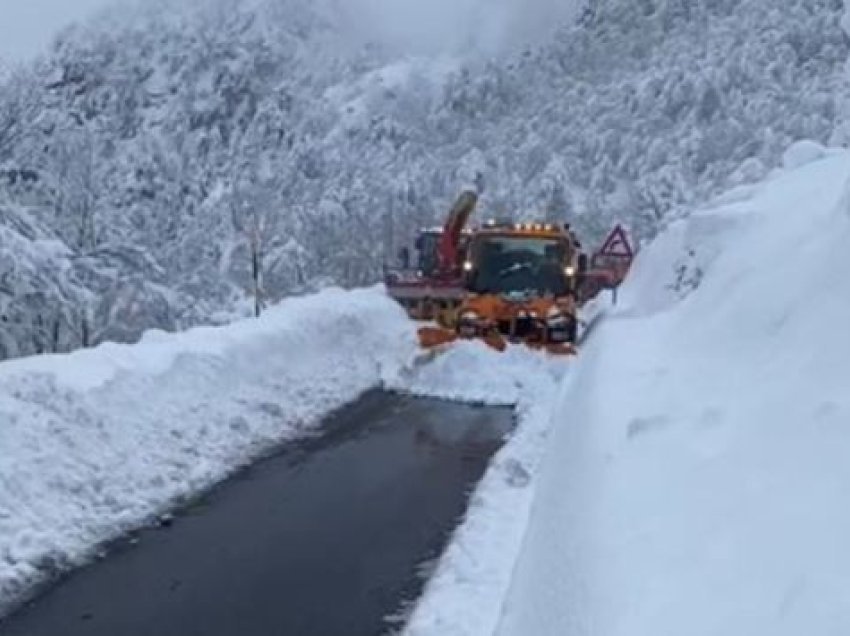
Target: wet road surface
323,539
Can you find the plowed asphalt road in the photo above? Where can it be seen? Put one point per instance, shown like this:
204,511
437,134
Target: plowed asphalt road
326,538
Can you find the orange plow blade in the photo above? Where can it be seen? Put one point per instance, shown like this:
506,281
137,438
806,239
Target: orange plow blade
432,337
495,341
435,337
565,349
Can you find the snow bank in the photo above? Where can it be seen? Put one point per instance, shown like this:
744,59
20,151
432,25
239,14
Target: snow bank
100,441
697,477
802,152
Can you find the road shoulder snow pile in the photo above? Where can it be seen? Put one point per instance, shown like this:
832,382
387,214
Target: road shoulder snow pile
697,479
99,442
465,593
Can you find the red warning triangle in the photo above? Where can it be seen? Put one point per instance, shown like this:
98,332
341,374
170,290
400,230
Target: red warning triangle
617,244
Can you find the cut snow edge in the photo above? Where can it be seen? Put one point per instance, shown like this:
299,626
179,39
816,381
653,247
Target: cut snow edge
98,442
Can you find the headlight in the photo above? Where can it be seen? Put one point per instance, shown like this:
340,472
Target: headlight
560,329
570,271
555,319
469,324
468,266
527,315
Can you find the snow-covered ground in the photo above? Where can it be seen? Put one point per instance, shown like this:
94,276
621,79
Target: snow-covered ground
697,478
464,595
98,442
686,475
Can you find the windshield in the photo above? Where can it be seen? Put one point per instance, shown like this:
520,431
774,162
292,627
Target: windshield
519,264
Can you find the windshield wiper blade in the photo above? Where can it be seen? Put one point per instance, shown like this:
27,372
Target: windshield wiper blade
516,267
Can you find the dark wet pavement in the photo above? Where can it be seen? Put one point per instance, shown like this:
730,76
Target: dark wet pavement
323,539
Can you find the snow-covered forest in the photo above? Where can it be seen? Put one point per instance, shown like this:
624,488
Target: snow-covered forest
153,157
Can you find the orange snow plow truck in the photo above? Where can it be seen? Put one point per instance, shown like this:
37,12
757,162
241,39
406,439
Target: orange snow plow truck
521,282
503,282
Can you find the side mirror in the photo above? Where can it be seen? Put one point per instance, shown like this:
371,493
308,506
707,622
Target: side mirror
404,258
582,263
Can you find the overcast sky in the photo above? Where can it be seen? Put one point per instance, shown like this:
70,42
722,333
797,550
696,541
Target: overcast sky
434,25
27,26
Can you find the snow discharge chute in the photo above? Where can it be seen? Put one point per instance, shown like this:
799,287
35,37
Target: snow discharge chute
450,252
434,288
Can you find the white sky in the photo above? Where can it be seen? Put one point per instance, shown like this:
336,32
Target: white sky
28,26
438,25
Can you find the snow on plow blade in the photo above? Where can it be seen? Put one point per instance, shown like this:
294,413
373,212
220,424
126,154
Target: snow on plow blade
435,337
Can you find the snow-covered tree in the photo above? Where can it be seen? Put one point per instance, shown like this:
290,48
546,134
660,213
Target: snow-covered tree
183,164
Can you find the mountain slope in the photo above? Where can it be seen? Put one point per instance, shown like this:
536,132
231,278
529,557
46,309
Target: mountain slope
202,135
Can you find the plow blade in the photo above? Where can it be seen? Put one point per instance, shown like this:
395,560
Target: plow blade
555,349
436,337
433,337
495,341
565,349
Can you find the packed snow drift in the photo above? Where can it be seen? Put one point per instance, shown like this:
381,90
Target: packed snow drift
100,441
697,477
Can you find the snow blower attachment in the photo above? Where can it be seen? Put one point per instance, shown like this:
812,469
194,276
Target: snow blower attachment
435,288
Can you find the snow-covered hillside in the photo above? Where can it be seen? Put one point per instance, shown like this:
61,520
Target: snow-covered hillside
97,442
191,136
697,478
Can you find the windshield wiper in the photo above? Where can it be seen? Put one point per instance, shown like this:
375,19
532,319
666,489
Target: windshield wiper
516,267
